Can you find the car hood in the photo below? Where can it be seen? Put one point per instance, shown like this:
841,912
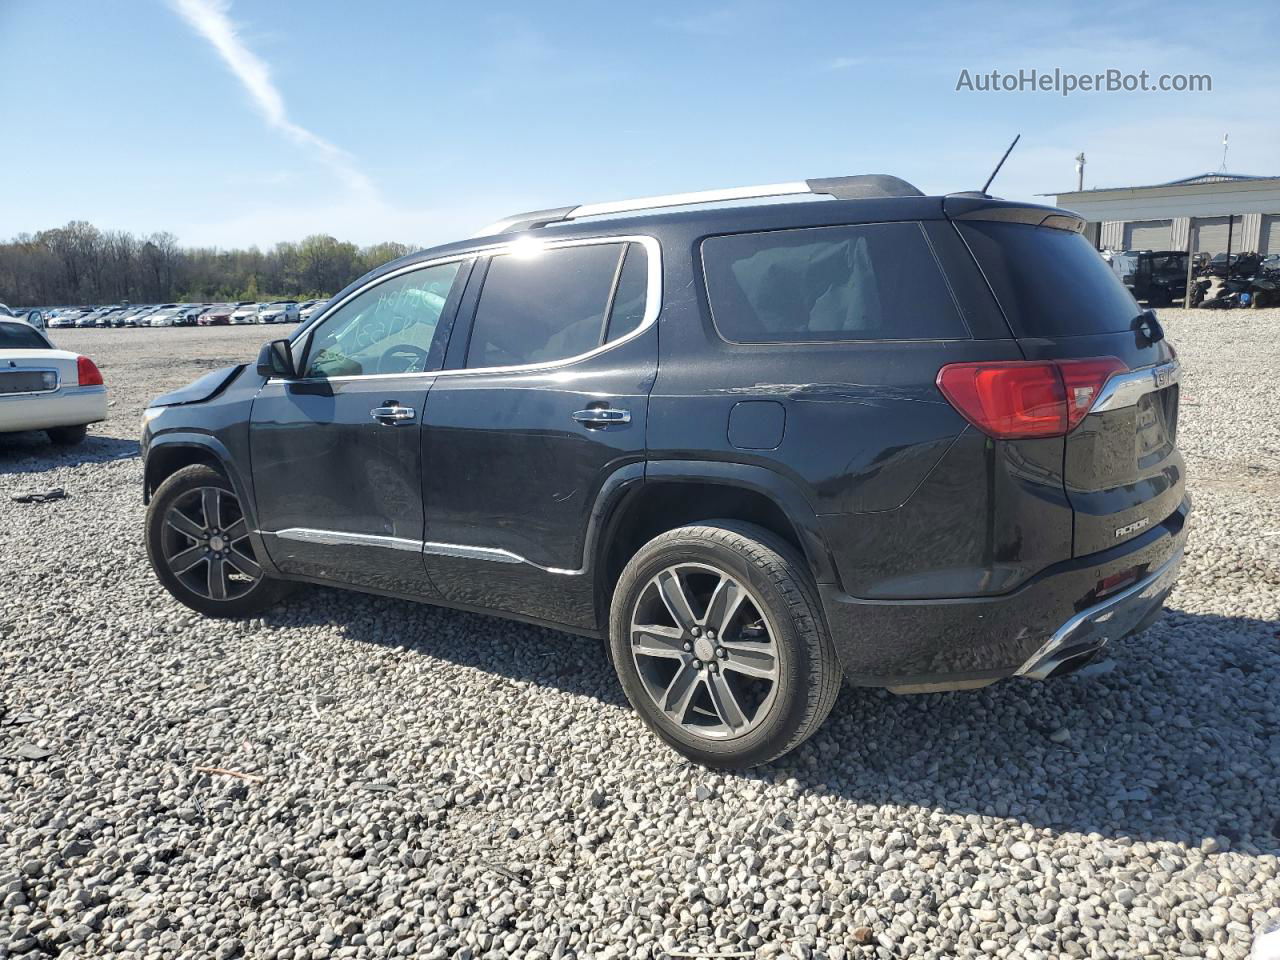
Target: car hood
197,391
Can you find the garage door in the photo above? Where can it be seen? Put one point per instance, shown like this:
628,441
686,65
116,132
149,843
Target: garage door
1211,236
1269,242
1148,234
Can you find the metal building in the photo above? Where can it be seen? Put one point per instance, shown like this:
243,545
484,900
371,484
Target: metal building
1201,214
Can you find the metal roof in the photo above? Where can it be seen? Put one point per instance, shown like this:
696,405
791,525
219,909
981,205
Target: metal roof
1184,182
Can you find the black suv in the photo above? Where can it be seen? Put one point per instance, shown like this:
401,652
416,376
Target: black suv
923,443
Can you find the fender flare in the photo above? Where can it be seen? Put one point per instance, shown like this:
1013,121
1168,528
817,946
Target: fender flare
192,440
784,493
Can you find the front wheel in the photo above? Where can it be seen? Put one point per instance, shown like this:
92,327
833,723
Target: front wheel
720,644
198,544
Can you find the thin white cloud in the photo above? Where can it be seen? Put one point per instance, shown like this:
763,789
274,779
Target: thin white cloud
844,63
210,19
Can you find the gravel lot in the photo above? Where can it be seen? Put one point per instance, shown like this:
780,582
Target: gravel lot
439,784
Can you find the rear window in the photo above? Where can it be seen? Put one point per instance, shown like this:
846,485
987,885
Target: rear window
877,281
18,336
1050,283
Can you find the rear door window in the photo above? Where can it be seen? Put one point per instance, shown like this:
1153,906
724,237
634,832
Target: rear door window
552,304
877,281
1050,283
630,295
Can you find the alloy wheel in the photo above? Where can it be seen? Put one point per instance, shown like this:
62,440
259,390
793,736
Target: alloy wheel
206,545
705,650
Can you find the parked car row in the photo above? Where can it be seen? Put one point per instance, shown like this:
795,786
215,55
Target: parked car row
182,314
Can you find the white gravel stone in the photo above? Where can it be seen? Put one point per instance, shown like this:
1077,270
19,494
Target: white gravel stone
438,782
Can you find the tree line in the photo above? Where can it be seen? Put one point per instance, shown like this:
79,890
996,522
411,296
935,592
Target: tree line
80,264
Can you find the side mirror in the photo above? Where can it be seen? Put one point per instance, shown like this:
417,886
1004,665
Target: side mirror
275,359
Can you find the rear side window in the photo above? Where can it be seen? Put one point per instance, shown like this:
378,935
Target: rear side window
1050,283
631,294
557,303
18,336
877,281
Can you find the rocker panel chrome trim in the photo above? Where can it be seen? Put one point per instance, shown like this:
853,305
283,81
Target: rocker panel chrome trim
493,554
339,538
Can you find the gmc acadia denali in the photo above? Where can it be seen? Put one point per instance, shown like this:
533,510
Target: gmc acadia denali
923,443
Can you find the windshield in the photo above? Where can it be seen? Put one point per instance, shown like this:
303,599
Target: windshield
1169,263
18,336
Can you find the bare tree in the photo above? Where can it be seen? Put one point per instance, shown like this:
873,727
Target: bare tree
80,264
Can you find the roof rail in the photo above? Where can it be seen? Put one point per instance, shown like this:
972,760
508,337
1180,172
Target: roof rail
842,188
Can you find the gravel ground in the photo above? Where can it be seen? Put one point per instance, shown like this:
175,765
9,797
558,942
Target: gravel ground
439,784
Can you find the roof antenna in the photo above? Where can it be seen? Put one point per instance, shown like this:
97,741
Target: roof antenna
1001,163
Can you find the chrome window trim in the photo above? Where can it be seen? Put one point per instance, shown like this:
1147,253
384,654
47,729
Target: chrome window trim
57,381
339,538
1126,389
652,307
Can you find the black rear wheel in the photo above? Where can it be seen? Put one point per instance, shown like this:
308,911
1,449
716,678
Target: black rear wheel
720,644
199,546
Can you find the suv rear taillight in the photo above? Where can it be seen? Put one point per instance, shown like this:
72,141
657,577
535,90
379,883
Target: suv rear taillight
87,373
1019,399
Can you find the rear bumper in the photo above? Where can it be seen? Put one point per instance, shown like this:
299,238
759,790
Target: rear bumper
1113,618
920,645
65,407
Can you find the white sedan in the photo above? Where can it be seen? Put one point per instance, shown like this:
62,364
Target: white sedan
43,388
165,317
245,313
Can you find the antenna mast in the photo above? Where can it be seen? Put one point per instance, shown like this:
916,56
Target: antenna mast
1001,163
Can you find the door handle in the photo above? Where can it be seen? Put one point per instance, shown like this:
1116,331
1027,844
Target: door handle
392,413
602,416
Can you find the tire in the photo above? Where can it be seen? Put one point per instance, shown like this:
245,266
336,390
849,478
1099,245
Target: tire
67,436
208,567
777,615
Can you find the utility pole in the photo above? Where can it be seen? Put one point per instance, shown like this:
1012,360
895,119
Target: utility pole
1191,232
1080,161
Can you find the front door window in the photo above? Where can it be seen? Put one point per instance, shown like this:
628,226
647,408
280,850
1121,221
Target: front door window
389,328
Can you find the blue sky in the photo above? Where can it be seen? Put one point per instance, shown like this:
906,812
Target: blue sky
237,123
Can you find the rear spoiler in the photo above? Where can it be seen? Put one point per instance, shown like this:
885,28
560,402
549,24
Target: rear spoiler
977,207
